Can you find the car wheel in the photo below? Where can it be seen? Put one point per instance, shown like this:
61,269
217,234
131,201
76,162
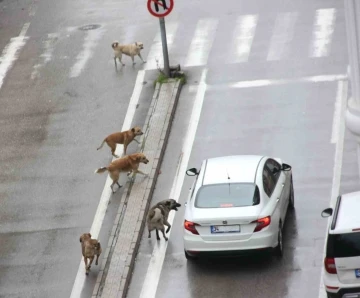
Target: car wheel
189,257
279,247
291,196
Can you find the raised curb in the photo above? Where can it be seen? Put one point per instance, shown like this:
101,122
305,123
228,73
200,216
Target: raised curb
118,258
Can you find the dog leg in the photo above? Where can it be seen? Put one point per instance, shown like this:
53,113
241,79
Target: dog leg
125,148
91,260
163,232
157,235
136,141
139,172
117,182
115,62
112,187
120,56
113,148
168,225
97,260
86,266
149,234
141,58
132,58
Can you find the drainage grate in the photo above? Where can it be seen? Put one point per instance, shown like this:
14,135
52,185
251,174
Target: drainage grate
89,27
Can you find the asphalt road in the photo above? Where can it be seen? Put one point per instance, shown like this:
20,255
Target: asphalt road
272,88
59,97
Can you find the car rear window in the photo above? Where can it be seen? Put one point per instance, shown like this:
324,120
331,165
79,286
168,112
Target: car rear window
343,245
227,195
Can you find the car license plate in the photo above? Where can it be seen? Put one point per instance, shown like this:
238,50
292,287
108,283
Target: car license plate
357,273
225,229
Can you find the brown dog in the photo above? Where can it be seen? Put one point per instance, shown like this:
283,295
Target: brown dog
124,137
90,248
129,163
127,49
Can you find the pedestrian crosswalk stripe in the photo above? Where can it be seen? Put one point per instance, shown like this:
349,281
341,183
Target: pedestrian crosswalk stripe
201,43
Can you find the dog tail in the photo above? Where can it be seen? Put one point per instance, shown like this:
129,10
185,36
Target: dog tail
101,170
114,44
102,144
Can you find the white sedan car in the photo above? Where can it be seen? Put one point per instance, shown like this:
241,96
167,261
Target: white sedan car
237,204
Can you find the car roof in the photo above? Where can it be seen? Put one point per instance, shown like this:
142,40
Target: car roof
240,168
348,217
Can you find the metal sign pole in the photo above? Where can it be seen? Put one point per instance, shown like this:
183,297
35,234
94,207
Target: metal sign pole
164,46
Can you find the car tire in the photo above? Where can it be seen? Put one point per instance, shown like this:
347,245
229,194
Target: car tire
279,249
189,257
291,196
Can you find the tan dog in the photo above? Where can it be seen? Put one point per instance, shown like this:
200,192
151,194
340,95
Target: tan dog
127,49
157,217
129,163
90,248
124,137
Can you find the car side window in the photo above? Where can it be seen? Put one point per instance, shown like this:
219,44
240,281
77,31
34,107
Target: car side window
274,168
268,182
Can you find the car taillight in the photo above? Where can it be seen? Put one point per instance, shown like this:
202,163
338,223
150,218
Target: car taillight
262,223
190,226
330,266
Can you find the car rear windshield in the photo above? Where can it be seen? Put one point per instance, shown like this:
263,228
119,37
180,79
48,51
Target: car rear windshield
343,245
227,195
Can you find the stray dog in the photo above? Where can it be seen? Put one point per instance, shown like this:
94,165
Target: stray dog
90,248
124,137
129,163
127,49
158,215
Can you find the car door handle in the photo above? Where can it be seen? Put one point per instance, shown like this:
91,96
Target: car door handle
277,201
283,184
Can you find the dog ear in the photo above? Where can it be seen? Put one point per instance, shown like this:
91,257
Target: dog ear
89,235
80,239
168,203
136,43
133,129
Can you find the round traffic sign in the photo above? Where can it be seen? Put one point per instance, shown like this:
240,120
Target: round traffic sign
160,8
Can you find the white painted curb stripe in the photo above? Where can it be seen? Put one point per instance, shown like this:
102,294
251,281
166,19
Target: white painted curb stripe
157,259
106,194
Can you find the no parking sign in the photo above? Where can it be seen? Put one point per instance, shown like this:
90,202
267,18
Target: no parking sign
160,8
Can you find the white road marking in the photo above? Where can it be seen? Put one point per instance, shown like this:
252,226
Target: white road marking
243,37
282,35
339,149
155,52
338,110
106,194
201,43
46,55
276,82
323,31
33,8
157,258
91,39
11,51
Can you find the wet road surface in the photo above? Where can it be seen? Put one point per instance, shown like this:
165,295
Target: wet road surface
274,75
59,98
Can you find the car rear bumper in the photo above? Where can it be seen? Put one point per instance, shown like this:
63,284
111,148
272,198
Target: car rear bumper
345,293
336,289
194,244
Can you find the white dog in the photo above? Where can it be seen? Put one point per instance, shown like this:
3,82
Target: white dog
127,49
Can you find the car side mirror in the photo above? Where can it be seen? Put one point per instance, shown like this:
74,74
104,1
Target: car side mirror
285,167
192,172
327,212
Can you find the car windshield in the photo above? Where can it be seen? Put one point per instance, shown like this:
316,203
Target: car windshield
227,195
344,245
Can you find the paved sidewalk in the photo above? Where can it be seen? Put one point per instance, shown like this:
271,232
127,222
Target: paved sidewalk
119,256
